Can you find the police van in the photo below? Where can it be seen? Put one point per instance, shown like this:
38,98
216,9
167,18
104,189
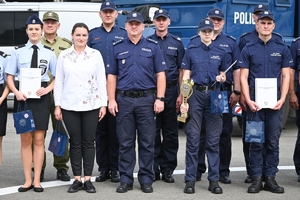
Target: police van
13,17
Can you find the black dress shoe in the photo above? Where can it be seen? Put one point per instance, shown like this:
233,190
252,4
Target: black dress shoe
23,189
114,176
157,176
214,187
124,187
42,175
38,189
272,186
103,175
62,175
225,179
88,186
249,179
147,188
77,185
299,178
189,187
256,185
167,177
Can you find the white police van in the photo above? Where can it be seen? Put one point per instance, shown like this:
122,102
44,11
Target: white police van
13,17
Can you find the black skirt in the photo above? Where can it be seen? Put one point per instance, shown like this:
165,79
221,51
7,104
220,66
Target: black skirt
40,109
3,113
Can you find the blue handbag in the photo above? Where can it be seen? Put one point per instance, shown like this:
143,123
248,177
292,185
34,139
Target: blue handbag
219,100
255,130
58,142
23,120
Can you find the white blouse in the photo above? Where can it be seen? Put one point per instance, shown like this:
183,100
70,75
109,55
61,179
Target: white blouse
80,82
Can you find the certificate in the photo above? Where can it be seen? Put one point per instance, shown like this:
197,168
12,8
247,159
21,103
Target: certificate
30,81
266,92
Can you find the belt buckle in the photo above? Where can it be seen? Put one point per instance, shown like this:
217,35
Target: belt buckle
206,88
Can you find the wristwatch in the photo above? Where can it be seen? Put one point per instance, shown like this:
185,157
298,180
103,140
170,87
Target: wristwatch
236,92
161,98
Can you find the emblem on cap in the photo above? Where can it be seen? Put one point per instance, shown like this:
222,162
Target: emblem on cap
260,6
266,12
134,15
49,14
207,22
217,12
33,21
160,11
107,3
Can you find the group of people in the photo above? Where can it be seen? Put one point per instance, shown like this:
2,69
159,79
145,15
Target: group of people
111,86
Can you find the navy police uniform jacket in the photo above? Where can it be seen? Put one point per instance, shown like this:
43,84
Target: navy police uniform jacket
173,52
295,51
103,41
136,65
265,60
204,62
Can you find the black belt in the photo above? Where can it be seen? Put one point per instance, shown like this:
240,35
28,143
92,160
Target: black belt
253,89
171,84
203,87
136,93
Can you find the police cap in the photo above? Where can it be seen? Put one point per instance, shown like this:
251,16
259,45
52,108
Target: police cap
260,8
108,5
205,24
50,15
266,14
135,16
161,13
216,13
34,19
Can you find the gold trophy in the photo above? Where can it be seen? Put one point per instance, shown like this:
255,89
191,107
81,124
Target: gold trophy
187,91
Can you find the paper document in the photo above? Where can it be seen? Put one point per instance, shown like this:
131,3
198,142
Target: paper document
30,82
266,92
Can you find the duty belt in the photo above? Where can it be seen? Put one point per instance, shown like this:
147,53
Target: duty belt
203,87
171,83
136,93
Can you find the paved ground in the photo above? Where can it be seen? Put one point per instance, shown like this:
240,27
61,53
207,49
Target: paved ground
11,175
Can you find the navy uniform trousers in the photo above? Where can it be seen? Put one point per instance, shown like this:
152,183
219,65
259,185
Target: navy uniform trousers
136,117
296,156
165,155
199,104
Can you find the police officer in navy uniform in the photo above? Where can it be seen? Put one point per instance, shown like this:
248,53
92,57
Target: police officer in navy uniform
232,86
4,91
165,155
136,88
294,92
107,143
265,58
203,56
245,39
25,57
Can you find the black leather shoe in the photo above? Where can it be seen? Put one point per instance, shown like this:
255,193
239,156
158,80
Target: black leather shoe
249,179
147,188
189,187
77,185
114,176
23,189
256,185
38,189
103,175
157,176
167,177
225,179
299,178
124,187
88,186
199,176
42,175
272,186
214,187
62,175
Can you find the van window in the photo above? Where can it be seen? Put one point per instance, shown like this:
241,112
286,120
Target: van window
250,1
283,2
12,28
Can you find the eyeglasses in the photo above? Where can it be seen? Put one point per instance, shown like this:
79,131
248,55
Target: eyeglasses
207,31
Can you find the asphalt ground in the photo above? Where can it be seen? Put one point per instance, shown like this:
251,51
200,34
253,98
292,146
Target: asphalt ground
11,175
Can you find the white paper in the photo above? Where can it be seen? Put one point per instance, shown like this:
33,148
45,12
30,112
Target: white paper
30,82
266,92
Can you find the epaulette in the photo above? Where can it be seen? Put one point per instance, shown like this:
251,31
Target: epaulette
279,41
151,40
94,29
117,42
20,46
66,40
231,37
3,54
294,40
48,48
247,33
175,37
194,36
122,28
250,43
277,34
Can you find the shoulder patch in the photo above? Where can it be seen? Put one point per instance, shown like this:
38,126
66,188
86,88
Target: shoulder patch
231,37
151,40
3,54
66,40
20,46
247,33
175,37
48,48
294,40
118,42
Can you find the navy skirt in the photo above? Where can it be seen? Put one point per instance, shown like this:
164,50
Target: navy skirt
3,113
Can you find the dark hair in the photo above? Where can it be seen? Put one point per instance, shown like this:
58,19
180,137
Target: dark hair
80,25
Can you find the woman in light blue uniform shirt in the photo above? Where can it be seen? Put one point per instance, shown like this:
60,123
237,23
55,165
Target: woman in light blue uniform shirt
21,58
3,103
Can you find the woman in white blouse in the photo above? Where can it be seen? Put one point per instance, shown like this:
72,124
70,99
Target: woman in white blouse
80,100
